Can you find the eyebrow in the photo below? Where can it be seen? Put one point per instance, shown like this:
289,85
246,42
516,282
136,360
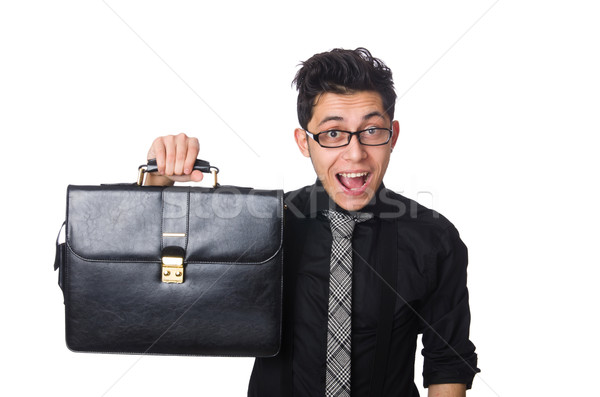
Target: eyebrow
373,114
339,118
330,118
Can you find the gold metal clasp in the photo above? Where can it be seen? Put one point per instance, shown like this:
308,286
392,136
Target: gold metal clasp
214,171
172,269
141,175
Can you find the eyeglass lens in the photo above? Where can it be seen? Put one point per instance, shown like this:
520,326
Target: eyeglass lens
371,136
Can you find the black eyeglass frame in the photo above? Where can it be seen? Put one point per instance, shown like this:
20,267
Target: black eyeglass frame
315,137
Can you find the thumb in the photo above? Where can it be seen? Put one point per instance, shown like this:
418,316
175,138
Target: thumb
196,176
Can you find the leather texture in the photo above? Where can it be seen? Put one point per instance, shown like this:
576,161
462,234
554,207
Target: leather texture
229,303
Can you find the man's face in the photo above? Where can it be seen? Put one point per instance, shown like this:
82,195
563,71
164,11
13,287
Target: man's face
350,174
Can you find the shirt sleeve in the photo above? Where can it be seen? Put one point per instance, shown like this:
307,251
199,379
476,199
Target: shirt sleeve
449,356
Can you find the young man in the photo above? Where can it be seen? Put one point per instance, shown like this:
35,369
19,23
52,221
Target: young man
408,264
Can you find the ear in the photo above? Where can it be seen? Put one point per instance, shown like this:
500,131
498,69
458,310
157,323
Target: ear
395,132
302,141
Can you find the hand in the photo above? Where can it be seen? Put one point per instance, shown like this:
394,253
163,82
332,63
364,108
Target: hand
175,156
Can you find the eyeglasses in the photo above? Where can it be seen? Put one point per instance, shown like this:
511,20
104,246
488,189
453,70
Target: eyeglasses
338,138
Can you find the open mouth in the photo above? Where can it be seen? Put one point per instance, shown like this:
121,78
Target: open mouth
353,181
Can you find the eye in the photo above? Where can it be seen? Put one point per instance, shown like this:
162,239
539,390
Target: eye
332,134
371,131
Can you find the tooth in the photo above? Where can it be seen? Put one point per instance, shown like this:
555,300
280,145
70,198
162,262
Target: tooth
353,174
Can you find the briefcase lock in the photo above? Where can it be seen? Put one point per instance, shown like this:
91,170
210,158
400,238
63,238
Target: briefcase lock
172,269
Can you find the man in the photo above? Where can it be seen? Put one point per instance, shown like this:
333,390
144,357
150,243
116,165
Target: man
408,263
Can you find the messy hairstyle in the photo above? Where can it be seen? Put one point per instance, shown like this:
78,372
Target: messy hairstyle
342,71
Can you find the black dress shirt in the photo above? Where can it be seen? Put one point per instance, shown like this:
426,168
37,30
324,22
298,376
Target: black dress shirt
432,299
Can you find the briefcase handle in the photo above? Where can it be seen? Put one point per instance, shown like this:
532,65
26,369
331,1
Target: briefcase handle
199,165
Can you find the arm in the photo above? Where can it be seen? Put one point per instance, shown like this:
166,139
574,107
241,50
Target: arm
448,390
175,156
449,356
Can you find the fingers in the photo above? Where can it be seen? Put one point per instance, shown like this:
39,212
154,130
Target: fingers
175,156
192,155
170,155
157,151
193,148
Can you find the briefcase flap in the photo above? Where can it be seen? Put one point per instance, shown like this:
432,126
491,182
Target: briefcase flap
228,225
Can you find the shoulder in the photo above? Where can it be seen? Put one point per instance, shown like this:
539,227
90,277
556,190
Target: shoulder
298,197
397,207
296,201
415,220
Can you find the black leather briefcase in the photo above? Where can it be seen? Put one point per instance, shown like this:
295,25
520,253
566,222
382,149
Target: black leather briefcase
172,270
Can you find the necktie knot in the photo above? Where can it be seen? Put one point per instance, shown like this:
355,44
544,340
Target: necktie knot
342,224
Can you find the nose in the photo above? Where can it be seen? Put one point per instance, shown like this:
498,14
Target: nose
354,151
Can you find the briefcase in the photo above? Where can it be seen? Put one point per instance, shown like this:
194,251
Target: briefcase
181,270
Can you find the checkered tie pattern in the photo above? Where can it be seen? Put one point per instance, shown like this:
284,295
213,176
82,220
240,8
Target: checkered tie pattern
339,323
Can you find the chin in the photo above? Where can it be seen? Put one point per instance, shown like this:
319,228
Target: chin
354,206
352,203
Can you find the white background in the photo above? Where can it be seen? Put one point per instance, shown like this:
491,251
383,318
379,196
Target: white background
498,106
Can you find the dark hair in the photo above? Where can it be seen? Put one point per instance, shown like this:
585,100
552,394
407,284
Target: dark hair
342,71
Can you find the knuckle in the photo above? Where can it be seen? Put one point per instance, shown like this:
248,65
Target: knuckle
166,141
158,143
